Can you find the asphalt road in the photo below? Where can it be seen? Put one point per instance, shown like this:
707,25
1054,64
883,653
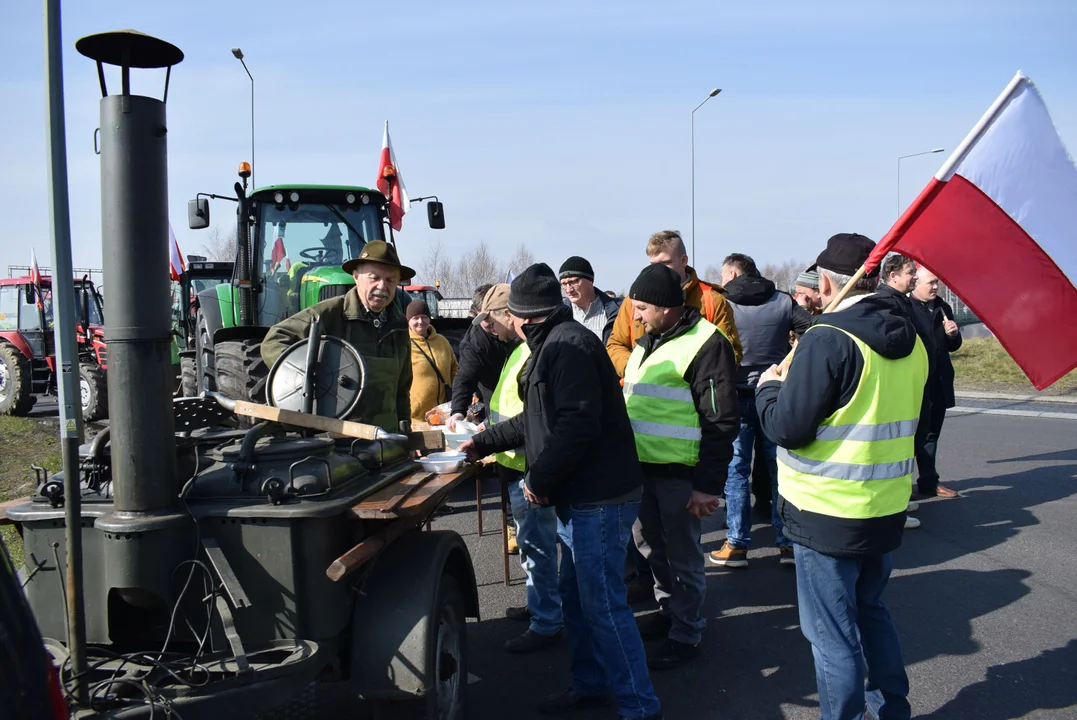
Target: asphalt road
984,595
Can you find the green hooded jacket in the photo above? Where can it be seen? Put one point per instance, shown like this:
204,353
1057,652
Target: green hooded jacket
382,340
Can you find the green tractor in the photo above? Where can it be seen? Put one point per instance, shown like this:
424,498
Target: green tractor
290,243
200,275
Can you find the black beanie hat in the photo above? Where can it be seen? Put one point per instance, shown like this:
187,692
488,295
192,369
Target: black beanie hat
576,266
658,285
417,307
845,253
535,292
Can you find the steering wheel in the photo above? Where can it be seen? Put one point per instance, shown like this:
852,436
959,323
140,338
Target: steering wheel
315,255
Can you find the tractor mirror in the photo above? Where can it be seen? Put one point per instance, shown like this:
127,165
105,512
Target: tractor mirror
435,212
28,292
198,213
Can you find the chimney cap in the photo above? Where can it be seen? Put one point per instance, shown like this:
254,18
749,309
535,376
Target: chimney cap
129,48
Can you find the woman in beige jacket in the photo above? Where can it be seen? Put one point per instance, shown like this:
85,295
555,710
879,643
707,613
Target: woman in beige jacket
433,364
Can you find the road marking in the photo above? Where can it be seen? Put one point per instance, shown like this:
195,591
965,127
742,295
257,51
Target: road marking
976,395
1014,413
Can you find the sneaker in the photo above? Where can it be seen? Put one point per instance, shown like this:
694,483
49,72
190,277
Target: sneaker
570,701
531,641
672,654
655,626
729,556
911,523
514,547
519,614
786,556
913,506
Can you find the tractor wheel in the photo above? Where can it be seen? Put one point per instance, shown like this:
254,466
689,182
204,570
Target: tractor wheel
189,377
241,372
94,392
207,367
15,381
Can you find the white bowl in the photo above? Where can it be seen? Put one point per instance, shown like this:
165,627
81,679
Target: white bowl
464,432
443,462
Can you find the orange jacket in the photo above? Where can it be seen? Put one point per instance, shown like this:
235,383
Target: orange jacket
707,298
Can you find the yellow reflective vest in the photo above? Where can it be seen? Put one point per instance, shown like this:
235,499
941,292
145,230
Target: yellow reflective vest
506,403
860,464
659,400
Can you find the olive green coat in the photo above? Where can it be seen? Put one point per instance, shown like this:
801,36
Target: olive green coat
383,343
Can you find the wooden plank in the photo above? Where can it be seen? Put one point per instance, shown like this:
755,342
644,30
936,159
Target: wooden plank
405,488
4,519
425,441
424,498
314,422
364,551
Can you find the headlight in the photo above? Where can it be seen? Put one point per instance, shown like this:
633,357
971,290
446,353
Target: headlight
350,197
366,199
294,197
278,197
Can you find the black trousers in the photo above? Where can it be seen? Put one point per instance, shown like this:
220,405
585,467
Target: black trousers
927,445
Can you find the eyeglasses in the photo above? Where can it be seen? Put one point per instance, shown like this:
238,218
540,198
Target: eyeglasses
571,282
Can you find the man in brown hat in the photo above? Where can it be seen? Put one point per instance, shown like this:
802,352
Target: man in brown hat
370,319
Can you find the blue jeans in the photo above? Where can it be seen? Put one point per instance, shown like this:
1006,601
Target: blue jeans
843,617
607,652
536,534
738,484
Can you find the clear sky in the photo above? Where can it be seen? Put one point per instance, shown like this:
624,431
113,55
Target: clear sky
560,125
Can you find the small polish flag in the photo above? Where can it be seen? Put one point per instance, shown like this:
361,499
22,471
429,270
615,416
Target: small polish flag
998,226
35,277
279,255
389,171
175,259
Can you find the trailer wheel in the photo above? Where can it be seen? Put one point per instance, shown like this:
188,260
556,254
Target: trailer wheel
447,648
207,366
188,376
15,381
241,371
94,392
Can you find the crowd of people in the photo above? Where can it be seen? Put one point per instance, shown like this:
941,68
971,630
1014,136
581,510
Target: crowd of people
619,426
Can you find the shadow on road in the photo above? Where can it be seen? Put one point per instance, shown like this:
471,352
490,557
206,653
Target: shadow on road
1014,690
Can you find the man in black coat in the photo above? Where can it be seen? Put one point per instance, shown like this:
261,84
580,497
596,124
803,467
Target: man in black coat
484,350
581,458
932,312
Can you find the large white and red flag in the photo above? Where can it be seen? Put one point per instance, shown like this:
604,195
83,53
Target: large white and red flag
389,173
998,225
176,266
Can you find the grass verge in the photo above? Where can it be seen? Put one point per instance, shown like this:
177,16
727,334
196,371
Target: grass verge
23,441
982,364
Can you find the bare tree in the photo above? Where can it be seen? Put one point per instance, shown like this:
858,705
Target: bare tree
438,267
221,244
477,267
784,274
520,261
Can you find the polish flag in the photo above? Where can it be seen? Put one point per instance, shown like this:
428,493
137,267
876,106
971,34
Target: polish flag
388,171
35,278
176,265
998,225
279,255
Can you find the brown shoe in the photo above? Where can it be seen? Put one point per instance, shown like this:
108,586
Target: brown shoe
729,556
945,492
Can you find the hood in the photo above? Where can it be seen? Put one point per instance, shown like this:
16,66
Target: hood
881,321
744,290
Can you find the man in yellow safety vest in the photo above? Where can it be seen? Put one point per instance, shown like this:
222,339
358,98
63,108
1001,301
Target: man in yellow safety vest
680,389
844,417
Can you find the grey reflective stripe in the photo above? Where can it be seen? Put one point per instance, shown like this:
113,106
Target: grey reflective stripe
846,471
677,432
496,417
867,433
662,392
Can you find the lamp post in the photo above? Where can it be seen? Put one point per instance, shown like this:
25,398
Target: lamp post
239,56
711,94
902,157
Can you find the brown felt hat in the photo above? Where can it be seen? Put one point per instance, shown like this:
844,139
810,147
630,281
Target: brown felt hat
379,251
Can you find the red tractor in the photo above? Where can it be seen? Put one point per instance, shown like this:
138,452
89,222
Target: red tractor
27,348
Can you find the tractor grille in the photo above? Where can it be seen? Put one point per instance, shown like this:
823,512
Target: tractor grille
332,291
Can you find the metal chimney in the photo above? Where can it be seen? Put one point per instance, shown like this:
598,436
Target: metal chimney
134,232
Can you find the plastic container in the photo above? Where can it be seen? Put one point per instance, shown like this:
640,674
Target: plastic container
464,432
443,462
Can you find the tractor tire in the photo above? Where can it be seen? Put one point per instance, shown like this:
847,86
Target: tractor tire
15,382
94,392
189,377
241,372
207,364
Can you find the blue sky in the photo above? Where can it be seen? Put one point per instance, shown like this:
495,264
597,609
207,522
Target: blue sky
563,126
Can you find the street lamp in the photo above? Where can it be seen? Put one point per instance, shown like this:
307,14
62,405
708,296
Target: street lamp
902,157
239,56
711,94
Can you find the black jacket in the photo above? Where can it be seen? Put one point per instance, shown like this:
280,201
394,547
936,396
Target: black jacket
574,427
713,379
940,379
482,357
824,374
747,290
